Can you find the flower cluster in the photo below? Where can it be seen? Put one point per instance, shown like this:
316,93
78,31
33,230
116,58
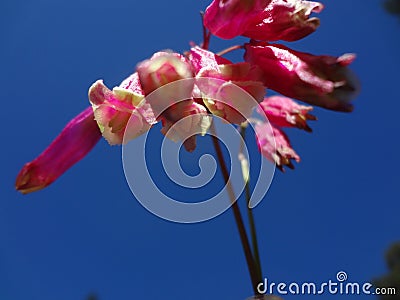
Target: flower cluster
320,80
186,101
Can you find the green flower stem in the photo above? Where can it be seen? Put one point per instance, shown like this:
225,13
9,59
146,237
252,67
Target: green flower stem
236,212
246,178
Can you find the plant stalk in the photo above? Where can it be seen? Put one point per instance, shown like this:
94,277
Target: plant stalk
246,178
236,212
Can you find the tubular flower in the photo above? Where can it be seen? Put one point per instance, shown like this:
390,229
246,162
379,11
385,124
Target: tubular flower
174,101
284,112
218,85
163,68
159,71
319,80
227,18
118,112
275,146
195,121
226,99
286,20
75,141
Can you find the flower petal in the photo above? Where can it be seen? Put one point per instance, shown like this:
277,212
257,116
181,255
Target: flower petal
161,70
201,58
319,80
195,121
286,20
78,137
284,112
275,145
117,115
227,18
228,96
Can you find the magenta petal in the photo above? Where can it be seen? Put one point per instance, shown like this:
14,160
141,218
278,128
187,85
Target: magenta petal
201,58
284,112
173,101
113,110
284,20
321,80
74,142
228,18
274,144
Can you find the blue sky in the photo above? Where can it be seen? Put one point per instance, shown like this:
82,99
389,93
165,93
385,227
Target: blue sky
338,210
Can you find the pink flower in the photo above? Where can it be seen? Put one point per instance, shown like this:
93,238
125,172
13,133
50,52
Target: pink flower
161,70
284,112
195,120
270,20
228,18
272,141
225,87
275,146
319,80
75,141
286,20
121,114
173,73
201,58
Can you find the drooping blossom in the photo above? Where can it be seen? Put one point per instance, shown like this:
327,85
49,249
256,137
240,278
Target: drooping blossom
229,90
275,145
162,69
284,112
287,20
227,18
174,74
73,143
272,20
120,113
321,80
195,120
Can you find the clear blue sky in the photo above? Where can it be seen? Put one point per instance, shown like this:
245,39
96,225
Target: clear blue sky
339,210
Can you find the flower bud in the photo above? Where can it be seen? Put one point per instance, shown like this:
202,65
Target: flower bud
284,112
228,18
286,20
275,146
321,80
74,142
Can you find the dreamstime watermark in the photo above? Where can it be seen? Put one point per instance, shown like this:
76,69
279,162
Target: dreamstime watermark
138,154
340,286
